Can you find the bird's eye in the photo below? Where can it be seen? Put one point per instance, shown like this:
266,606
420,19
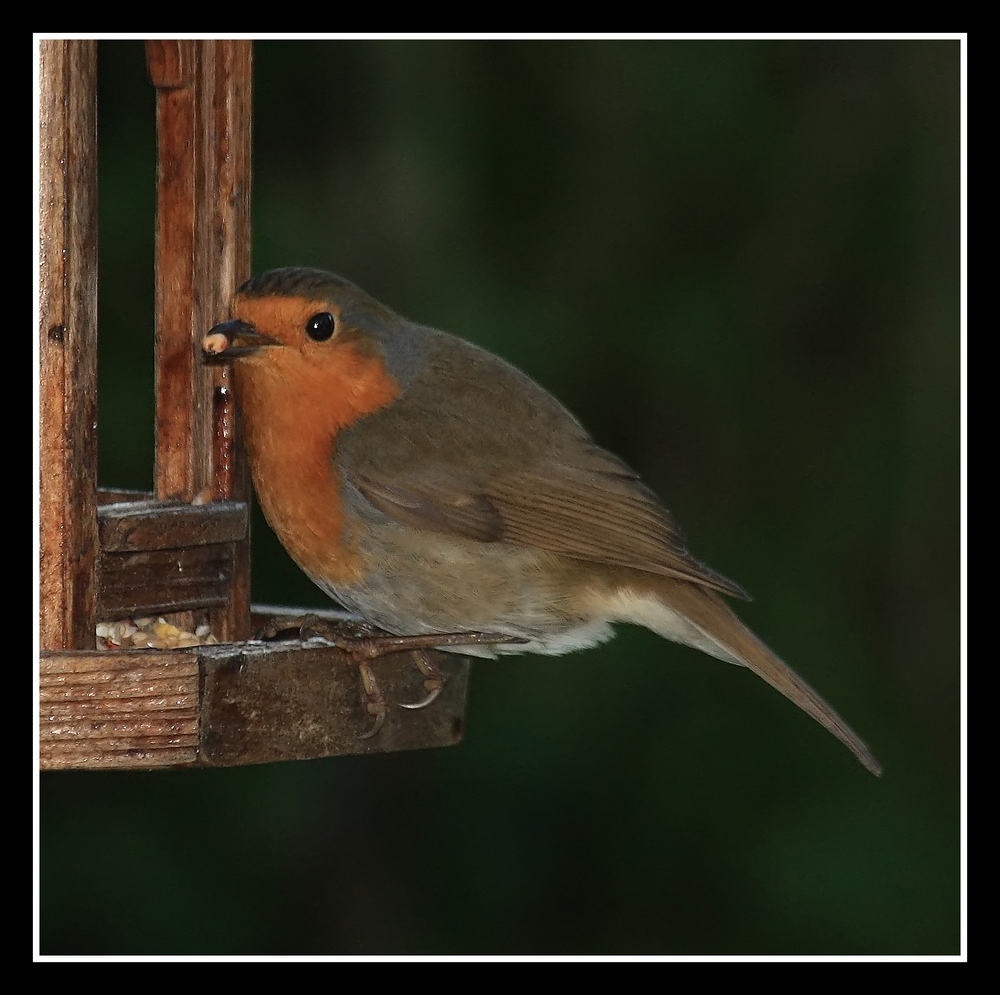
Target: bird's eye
320,326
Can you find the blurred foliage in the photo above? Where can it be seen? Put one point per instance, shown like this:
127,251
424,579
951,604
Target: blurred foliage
738,263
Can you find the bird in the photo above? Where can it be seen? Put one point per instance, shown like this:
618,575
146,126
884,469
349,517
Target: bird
432,488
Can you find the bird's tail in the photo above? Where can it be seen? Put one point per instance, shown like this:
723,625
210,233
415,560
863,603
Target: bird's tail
686,613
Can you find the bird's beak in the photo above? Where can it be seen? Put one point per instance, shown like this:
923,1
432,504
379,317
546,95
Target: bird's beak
232,339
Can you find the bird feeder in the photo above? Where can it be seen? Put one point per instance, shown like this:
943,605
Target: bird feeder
181,551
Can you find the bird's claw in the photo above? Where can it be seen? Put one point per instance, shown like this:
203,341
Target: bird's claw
433,683
414,705
376,725
371,695
366,643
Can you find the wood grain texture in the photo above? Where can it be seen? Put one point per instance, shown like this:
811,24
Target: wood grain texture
297,700
232,187
144,525
157,581
202,254
232,704
136,708
183,387
67,343
202,242
127,553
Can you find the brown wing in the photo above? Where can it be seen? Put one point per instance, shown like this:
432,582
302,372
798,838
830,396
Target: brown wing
562,509
475,448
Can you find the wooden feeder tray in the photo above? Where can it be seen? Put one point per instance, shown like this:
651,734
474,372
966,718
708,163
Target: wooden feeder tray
182,550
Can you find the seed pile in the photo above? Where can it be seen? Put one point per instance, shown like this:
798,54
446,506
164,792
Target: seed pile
155,633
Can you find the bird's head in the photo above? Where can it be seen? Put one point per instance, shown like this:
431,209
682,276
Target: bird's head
311,344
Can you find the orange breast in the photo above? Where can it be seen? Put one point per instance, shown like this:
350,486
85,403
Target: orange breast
298,488
294,401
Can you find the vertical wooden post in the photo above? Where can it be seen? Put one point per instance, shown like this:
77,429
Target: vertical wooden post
231,183
212,704
202,255
68,343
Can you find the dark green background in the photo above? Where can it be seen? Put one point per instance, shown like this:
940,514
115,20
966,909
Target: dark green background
738,263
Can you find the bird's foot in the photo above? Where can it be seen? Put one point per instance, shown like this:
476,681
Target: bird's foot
287,627
433,680
365,643
374,644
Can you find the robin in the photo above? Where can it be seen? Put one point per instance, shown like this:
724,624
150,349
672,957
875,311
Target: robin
433,488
